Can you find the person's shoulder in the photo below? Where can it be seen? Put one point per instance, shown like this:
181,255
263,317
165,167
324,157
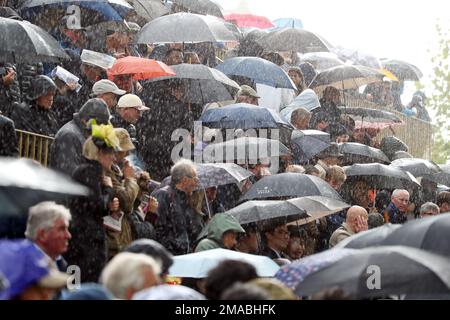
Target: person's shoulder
206,244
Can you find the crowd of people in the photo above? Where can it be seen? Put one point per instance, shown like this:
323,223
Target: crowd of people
113,135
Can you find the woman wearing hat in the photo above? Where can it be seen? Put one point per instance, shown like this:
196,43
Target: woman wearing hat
88,247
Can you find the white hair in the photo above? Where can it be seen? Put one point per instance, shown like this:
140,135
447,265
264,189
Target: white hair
182,168
125,271
397,192
43,216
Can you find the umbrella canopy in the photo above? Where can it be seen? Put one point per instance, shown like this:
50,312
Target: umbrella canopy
242,115
217,174
290,185
244,148
24,183
294,273
197,265
201,84
370,115
402,69
187,27
445,167
290,39
431,234
24,42
261,210
200,6
439,178
307,99
401,270
417,167
381,176
245,20
346,77
361,153
259,70
308,143
288,23
317,207
150,9
91,11
140,68
321,60
357,57
370,238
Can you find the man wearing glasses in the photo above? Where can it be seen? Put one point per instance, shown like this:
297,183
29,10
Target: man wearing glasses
396,211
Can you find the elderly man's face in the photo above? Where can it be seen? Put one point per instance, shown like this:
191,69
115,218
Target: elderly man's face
54,241
401,201
190,182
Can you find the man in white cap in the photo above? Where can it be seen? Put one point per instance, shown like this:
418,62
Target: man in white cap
108,91
128,111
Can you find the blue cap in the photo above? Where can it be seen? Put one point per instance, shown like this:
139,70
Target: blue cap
22,265
88,291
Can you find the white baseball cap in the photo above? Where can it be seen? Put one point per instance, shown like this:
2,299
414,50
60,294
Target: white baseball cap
131,101
106,86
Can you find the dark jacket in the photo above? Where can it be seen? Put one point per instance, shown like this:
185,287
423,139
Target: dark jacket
64,107
393,215
66,149
8,138
174,223
35,119
88,246
9,95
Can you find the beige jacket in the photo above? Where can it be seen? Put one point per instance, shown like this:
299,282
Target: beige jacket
340,234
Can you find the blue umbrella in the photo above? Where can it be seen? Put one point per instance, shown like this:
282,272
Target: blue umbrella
243,116
259,70
288,23
294,273
197,265
92,11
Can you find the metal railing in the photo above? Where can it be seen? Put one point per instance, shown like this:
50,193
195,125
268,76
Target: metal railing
34,146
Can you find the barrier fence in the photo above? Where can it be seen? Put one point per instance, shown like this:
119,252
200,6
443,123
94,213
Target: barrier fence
34,146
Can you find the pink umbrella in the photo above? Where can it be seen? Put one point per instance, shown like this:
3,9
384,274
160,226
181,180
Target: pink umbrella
140,68
245,20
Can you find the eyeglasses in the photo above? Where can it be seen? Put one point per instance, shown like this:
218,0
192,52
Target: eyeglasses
403,200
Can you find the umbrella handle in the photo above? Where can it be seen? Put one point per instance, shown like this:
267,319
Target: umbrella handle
207,203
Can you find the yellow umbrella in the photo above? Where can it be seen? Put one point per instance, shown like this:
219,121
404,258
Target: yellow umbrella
388,74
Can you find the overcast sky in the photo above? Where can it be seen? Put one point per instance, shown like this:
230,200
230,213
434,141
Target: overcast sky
397,29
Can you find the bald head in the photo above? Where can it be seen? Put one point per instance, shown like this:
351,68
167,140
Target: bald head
400,198
357,219
356,211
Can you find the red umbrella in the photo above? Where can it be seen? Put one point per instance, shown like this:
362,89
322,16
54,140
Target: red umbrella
140,68
244,20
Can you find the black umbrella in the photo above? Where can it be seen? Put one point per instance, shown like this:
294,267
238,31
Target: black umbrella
361,153
370,238
187,27
431,234
381,176
243,116
383,271
321,60
200,6
445,167
402,69
201,84
346,77
417,167
245,148
290,185
256,211
291,39
257,69
317,207
150,9
370,115
217,174
308,143
24,42
24,183
439,178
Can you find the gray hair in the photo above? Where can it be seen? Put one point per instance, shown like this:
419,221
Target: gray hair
125,271
397,192
300,113
182,168
43,216
429,206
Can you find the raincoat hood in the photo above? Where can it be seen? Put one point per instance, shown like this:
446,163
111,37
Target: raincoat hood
222,223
